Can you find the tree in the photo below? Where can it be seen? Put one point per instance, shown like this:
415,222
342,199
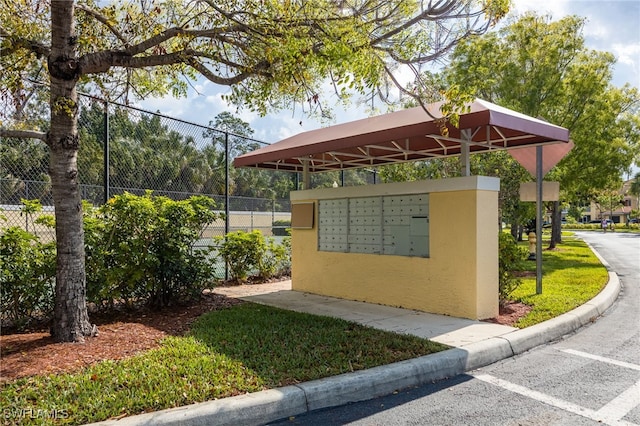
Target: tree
607,200
542,68
270,53
634,189
233,136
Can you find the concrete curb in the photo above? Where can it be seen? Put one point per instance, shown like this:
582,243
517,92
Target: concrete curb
274,404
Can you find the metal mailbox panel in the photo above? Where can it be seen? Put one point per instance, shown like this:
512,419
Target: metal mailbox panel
394,225
333,225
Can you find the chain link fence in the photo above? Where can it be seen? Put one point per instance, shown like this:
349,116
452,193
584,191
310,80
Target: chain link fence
123,148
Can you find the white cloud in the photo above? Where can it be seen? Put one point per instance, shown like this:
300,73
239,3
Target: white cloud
596,29
555,8
167,106
628,54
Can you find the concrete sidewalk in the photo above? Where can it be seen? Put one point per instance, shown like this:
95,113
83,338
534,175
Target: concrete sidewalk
475,344
457,332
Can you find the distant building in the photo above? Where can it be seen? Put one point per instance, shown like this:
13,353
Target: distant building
620,212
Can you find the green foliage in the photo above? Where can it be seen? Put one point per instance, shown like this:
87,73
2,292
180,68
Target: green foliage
246,253
270,53
27,277
241,252
247,348
634,188
633,226
32,209
27,267
140,249
20,162
281,227
572,275
598,227
541,68
575,212
511,258
275,259
147,153
282,52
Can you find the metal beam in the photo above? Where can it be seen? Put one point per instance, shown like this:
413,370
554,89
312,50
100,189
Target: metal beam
539,176
465,152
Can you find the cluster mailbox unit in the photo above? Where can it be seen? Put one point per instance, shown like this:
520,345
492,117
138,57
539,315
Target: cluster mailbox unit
426,245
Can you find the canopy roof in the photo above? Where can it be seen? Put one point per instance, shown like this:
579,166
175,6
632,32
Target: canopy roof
402,136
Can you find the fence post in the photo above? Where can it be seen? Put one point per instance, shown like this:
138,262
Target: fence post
226,196
226,182
106,151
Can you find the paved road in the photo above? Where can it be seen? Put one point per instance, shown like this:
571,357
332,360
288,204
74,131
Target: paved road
589,378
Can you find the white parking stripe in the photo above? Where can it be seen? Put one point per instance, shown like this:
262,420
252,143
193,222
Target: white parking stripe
623,404
552,401
602,359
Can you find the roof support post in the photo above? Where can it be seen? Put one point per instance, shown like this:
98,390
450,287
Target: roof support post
539,218
465,152
306,178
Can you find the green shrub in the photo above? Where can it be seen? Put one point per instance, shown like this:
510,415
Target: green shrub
250,253
27,270
275,260
285,263
241,252
27,277
140,250
511,257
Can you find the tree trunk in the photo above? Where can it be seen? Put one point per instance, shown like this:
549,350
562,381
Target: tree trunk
516,230
71,320
556,225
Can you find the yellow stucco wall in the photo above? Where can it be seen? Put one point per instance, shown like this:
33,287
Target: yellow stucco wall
460,278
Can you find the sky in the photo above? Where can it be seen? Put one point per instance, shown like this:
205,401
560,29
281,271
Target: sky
612,26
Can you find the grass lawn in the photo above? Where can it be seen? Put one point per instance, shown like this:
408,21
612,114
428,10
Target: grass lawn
246,348
250,347
571,275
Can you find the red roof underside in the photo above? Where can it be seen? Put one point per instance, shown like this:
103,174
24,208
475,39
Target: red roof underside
407,135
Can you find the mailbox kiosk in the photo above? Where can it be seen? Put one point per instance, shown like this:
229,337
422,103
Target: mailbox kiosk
428,245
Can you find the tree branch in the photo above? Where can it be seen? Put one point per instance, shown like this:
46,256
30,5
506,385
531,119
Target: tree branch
23,134
225,81
431,14
104,20
232,18
102,61
404,91
153,41
16,43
